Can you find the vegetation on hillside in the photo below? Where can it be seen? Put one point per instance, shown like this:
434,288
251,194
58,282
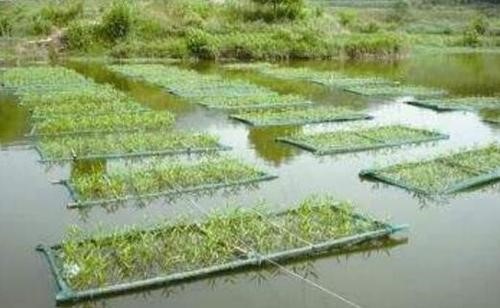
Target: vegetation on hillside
250,29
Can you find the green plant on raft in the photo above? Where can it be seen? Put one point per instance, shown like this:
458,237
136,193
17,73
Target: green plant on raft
107,123
491,115
296,115
88,100
253,101
361,139
397,90
81,147
446,174
159,176
223,236
40,76
460,103
211,91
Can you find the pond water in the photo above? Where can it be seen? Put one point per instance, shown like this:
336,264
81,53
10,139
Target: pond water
448,258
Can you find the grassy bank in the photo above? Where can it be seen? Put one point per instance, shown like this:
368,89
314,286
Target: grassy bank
248,29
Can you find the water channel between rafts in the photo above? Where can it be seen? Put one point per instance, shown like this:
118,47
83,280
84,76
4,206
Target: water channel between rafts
451,258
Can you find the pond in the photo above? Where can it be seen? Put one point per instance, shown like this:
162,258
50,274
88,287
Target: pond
449,257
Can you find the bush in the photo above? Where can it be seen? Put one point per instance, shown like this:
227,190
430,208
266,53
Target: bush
5,26
273,10
61,14
117,21
471,38
201,44
40,25
400,11
347,17
479,24
374,45
80,35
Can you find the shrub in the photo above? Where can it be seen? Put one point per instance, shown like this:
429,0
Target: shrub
80,35
5,26
374,45
62,13
471,38
117,21
201,44
278,9
347,17
400,11
479,24
40,25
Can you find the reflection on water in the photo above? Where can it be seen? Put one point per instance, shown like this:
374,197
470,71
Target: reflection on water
263,140
13,120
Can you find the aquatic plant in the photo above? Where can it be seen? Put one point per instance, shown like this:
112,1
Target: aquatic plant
212,90
361,139
32,76
124,145
253,101
92,100
161,176
106,123
446,174
297,116
224,236
459,103
396,90
491,115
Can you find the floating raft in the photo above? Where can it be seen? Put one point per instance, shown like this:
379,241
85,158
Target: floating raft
125,146
210,91
244,239
362,140
104,124
463,103
396,91
443,175
298,116
160,179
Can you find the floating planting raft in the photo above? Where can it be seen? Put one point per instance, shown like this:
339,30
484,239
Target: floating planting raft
491,115
125,145
160,178
89,267
298,116
395,90
102,124
462,103
211,91
76,118
91,100
40,78
369,86
361,140
443,175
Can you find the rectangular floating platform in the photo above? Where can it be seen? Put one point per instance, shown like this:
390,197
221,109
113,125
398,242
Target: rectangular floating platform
362,140
133,154
396,91
443,175
212,186
231,257
160,178
458,104
298,116
115,146
126,122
